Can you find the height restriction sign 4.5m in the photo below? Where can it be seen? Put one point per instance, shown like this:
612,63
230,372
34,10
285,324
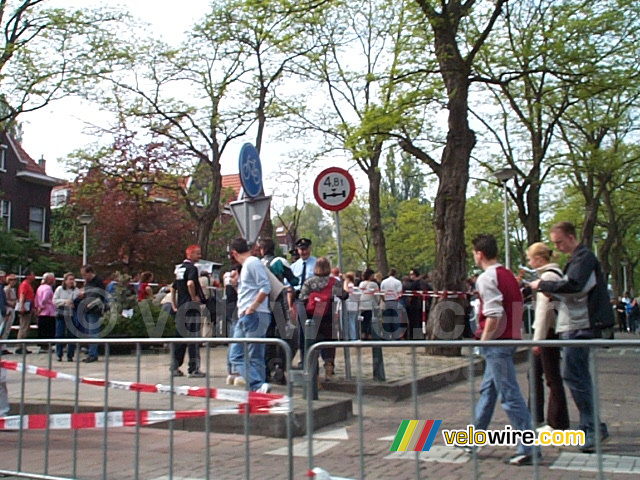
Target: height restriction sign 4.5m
334,189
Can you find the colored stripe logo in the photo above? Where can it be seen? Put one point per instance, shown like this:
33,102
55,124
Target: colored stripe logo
415,435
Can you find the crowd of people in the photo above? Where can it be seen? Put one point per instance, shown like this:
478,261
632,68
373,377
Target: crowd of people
268,296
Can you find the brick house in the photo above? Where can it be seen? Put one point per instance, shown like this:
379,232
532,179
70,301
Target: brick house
25,190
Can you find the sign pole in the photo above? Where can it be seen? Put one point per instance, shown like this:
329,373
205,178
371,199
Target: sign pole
343,303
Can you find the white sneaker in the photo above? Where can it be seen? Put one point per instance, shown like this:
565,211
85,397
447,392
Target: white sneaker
264,388
231,378
239,382
544,428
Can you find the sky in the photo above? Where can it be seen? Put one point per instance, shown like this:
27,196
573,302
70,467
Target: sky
59,128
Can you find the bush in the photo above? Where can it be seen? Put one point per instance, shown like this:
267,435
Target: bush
148,321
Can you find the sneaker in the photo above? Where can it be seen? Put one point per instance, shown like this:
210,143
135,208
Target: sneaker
519,460
6,352
264,388
231,378
239,381
590,442
544,428
468,449
197,374
177,373
19,351
89,359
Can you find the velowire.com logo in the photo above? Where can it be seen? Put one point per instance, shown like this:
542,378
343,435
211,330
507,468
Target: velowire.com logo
415,435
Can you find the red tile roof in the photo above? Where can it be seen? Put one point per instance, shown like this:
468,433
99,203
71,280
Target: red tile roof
30,164
232,181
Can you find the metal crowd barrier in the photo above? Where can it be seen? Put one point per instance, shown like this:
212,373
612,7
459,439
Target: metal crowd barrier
104,418
312,354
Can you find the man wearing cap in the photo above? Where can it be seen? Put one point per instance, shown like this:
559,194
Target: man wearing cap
303,269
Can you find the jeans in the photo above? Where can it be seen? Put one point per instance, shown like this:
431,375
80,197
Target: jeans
231,324
63,332
575,372
351,330
254,325
500,380
92,330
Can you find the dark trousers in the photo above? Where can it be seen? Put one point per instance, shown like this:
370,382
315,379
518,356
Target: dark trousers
187,327
46,328
547,362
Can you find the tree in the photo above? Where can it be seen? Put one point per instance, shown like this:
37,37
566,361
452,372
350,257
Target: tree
552,59
456,44
362,70
48,53
355,232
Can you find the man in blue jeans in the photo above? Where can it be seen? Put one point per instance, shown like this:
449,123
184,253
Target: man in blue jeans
254,315
583,313
91,308
499,318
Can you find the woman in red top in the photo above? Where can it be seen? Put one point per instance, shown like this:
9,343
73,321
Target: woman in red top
144,290
26,296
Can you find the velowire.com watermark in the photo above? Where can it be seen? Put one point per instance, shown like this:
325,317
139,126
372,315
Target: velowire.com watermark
418,435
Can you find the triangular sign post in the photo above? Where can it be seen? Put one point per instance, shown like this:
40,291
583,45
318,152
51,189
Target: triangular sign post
250,214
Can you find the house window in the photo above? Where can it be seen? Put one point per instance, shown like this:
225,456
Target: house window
5,214
36,222
59,198
3,157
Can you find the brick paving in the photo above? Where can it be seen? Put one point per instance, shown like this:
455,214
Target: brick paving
337,447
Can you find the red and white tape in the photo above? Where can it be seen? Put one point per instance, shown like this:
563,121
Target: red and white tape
126,418
255,400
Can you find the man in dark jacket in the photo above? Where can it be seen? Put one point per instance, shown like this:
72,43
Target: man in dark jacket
583,313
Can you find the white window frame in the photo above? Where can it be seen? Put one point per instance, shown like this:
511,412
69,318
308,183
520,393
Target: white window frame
3,158
44,221
6,224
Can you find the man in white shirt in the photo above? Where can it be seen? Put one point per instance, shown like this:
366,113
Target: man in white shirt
392,315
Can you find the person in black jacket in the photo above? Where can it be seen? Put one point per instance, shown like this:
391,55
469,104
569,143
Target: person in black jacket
583,313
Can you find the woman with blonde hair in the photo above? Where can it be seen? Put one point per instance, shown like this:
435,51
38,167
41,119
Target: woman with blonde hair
64,299
546,360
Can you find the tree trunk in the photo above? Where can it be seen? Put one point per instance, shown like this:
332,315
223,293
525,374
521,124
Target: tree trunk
446,318
377,234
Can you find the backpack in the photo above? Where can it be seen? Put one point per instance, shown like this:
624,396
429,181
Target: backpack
287,273
318,302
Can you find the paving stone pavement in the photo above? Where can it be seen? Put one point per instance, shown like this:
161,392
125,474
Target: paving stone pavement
338,449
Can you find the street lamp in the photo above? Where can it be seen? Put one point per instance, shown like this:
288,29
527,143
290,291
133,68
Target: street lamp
504,175
624,264
85,219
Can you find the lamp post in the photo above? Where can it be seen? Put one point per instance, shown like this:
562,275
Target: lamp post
596,239
504,175
624,264
85,219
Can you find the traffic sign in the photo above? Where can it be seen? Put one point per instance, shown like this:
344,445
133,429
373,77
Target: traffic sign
250,170
334,189
250,214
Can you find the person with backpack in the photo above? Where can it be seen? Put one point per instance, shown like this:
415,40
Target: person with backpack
280,326
583,313
317,293
546,360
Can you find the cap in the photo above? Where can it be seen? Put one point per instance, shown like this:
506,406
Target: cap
303,242
2,273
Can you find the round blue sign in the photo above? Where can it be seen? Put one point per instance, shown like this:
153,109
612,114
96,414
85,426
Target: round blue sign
250,170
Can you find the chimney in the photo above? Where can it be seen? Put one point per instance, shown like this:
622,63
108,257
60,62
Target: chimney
43,163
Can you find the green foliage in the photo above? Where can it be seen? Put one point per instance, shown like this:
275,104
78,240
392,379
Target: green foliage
20,251
65,232
411,239
148,321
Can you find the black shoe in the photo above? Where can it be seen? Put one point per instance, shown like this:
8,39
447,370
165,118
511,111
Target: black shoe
59,358
6,352
19,351
70,359
90,359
